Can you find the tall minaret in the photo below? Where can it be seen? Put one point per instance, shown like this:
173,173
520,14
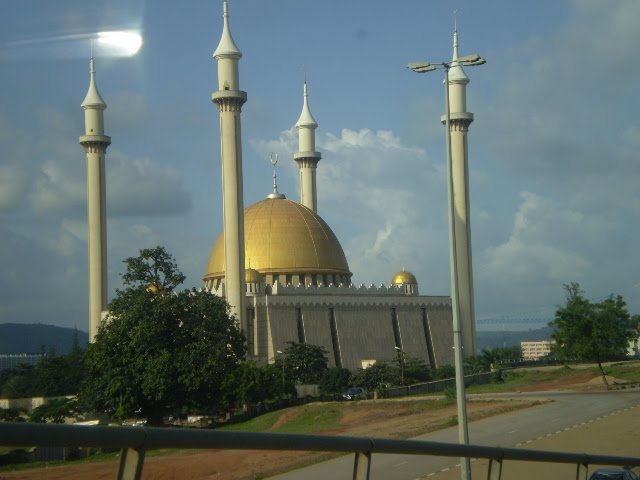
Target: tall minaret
95,144
306,157
230,99
460,120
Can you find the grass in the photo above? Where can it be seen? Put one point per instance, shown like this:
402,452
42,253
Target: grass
257,424
310,418
627,371
98,457
313,418
517,379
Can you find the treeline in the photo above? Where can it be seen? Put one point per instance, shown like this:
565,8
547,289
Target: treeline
55,375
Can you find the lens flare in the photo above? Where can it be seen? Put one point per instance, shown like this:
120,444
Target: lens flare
120,43
109,44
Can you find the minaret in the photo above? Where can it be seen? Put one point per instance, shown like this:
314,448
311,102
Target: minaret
460,120
230,99
306,157
95,144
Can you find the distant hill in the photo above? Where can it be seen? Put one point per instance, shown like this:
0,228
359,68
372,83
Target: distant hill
511,338
37,337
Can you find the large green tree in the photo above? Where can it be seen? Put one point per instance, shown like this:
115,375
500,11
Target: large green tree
593,331
303,363
161,350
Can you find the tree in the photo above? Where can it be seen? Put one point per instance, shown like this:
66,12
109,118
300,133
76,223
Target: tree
493,357
373,377
250,384
161,351
54,411
10,415
334,381
593,331
303,363
410,370
54,375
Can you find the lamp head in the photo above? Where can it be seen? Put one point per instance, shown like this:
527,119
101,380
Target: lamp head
421,67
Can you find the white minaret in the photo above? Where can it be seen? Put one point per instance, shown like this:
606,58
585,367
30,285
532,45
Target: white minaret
306,157
95,144
460,120
230,99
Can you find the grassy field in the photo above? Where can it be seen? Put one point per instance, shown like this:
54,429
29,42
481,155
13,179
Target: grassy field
318,417
518,379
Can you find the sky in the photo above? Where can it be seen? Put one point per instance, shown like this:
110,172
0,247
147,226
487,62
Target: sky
553,151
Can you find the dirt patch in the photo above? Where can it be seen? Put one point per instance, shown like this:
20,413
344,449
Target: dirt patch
380,418
573,382
287,416
610,380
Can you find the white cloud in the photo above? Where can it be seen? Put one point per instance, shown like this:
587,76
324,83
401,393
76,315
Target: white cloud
140,186
13,184
55,190
378,193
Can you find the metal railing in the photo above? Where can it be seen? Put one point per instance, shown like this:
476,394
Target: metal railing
135,441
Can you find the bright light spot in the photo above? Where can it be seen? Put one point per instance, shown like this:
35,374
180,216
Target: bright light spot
121,43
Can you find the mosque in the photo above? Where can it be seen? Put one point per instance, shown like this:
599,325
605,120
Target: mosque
278,263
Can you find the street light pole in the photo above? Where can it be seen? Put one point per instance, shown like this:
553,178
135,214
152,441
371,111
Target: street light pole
463,429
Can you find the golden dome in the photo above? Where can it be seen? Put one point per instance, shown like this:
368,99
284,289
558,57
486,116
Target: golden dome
251,275
286,240
404,277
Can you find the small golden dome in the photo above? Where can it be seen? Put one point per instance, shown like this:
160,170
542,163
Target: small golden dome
404,277
251,275
283,237
153,288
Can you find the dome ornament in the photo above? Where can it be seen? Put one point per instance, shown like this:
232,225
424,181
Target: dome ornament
274,162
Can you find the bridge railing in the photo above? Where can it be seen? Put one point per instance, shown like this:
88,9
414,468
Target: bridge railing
135,441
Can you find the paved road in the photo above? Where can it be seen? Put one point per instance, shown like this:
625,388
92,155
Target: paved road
513,429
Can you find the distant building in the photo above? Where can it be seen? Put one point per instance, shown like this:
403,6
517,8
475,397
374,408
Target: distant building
536,350
13,360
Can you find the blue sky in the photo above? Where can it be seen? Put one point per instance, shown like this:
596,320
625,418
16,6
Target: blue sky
553,150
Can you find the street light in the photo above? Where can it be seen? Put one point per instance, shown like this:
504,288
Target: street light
401,357
284,359
463,430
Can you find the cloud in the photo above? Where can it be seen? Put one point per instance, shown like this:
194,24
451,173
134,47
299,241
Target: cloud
378,194
50,175
535,250
140,186
13,185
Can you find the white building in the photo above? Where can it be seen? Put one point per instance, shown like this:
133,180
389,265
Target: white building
536,350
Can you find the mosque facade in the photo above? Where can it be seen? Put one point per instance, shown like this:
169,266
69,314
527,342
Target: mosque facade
278,263
285,274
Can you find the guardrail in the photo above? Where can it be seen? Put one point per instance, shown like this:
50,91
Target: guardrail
135,441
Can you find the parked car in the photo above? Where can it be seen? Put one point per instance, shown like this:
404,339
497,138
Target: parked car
613,474
355,393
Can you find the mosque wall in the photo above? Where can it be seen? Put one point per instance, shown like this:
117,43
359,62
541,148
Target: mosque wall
356,328
440,323
365,333
283,326
263,340
412,333
317,328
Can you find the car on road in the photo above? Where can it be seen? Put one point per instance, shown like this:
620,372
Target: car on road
355,393
613,474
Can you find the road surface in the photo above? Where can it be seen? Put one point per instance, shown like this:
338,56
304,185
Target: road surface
568,411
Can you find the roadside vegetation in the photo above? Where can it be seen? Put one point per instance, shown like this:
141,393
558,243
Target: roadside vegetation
523,378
